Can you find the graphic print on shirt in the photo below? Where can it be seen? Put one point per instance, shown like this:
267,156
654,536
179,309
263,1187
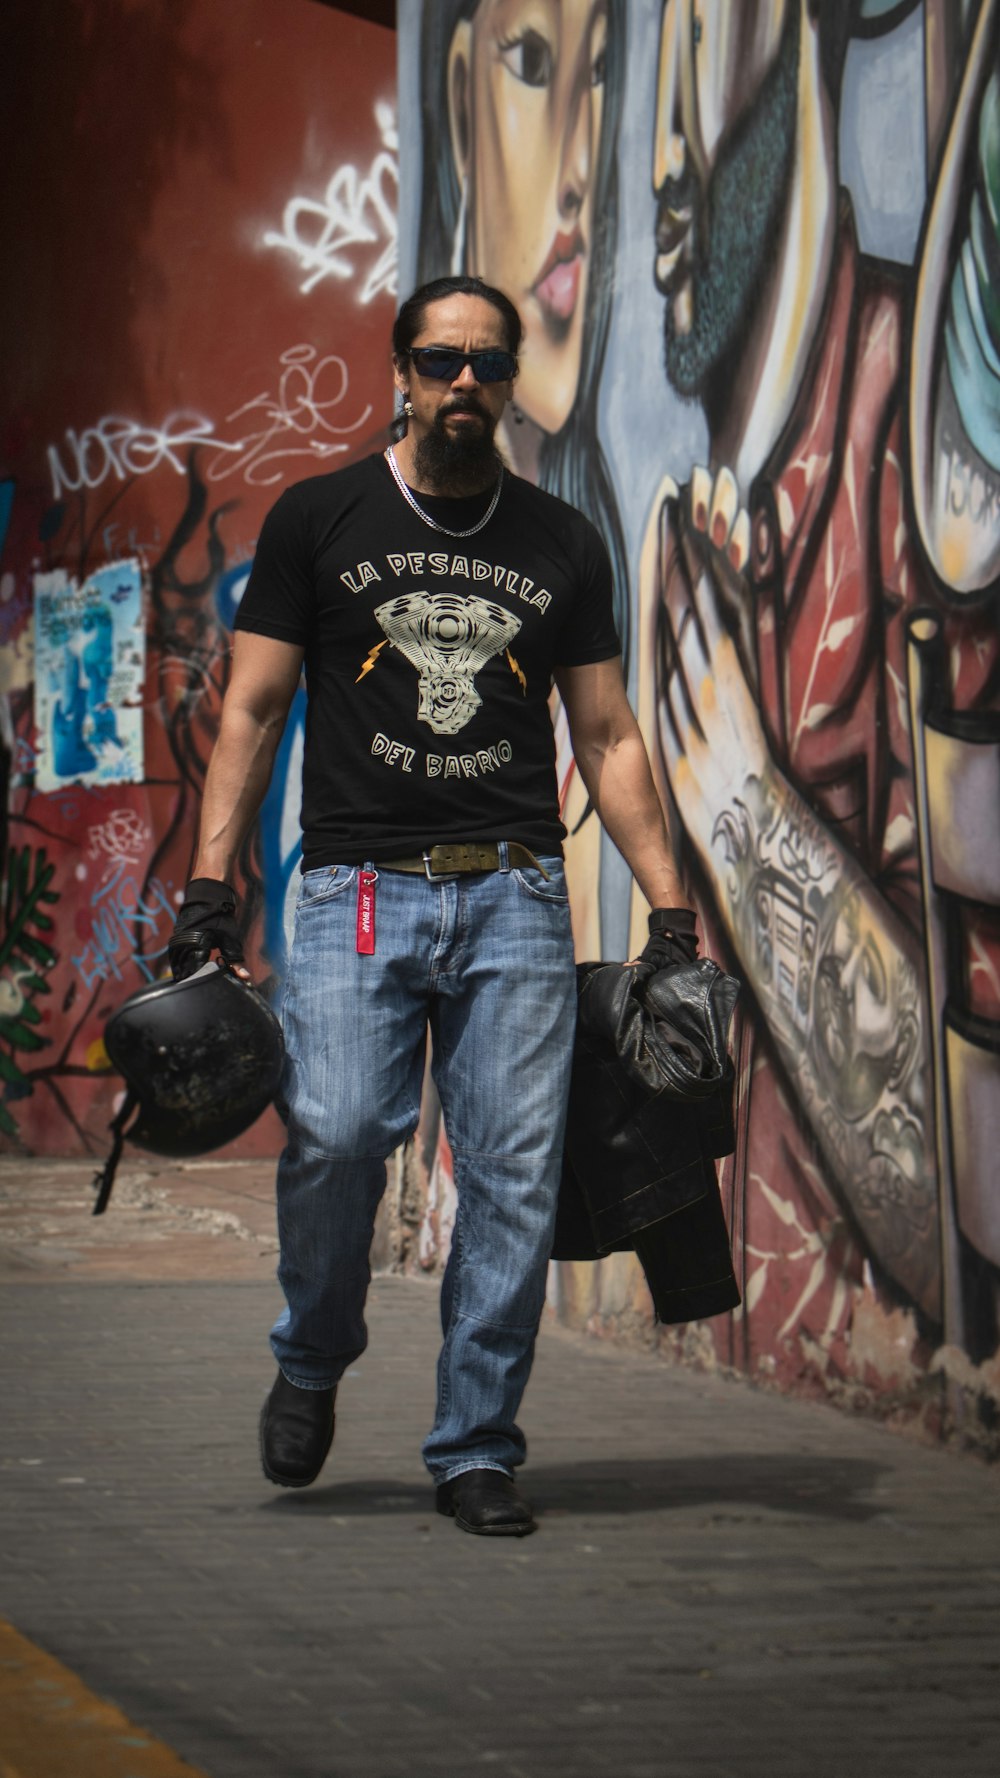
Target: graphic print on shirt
447,638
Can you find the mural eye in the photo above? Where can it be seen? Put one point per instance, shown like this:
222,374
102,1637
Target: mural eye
599,65
528,58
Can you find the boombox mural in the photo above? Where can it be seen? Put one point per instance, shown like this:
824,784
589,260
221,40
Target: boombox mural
756,248
756,244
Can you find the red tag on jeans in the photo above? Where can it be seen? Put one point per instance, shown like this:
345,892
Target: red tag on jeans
367,880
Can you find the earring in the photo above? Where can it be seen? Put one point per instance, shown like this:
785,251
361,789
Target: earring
408,409
516,415
458,239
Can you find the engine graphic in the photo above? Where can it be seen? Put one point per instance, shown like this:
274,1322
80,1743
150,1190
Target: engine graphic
448,639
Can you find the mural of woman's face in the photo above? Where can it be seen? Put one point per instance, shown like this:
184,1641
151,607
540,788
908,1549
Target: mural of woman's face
526,91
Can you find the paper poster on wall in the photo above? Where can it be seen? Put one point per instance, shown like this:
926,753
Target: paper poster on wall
90,652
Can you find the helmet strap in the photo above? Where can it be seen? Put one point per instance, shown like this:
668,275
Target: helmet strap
104,1180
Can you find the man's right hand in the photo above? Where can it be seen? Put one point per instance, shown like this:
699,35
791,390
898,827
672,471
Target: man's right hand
206,923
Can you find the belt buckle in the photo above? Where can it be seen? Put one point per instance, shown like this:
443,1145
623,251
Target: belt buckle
438,876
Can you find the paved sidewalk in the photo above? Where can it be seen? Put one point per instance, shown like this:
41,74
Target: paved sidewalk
725,1584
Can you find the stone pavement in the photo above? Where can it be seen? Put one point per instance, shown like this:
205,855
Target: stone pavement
725,1584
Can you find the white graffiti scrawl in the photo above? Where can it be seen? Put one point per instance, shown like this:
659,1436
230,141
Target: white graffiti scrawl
296,421
299,419
352,213
122,837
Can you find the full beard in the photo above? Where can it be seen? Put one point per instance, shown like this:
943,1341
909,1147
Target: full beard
734,231
458,463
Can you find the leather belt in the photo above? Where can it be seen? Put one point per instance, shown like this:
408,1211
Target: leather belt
462,857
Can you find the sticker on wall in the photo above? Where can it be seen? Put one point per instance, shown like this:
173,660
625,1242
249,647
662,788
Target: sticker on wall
90,653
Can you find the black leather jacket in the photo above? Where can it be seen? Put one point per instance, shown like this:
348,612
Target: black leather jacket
650,1110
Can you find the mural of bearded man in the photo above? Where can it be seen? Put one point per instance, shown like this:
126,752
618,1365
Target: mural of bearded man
784,593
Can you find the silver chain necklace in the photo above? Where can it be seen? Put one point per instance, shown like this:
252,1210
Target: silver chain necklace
421,514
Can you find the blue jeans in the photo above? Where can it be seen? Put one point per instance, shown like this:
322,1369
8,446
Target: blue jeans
486,962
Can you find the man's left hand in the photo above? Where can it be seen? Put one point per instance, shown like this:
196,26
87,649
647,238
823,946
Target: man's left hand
673,938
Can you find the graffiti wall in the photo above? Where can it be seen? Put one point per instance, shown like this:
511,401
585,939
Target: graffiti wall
200,273
756,248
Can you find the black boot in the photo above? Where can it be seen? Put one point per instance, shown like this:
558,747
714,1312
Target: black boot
486,1502
296,1432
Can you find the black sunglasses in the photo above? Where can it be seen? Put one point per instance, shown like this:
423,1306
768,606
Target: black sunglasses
440,362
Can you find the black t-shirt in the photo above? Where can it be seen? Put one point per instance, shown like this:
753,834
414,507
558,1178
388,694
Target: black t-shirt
428,658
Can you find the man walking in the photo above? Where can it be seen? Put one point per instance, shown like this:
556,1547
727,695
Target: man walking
432,598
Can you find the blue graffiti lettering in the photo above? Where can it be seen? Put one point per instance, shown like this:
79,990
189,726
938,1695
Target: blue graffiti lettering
121,915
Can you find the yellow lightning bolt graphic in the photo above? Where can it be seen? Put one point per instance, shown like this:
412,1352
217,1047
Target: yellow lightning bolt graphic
515,669
373,654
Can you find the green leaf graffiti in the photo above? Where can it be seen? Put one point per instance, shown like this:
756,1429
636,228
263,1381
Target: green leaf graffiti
24,955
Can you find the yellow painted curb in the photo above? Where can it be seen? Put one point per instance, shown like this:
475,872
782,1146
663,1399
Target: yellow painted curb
51,1726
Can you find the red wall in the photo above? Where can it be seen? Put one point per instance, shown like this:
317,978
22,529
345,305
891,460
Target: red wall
154,146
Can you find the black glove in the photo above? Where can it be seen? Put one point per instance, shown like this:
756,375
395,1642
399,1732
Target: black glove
672,937
206,923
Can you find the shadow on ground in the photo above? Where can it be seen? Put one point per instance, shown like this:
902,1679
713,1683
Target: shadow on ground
823,1487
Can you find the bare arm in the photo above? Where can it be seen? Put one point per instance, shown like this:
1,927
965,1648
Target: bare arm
263,681
611,756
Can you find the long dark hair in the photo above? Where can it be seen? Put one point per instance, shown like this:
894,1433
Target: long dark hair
410,319
572,464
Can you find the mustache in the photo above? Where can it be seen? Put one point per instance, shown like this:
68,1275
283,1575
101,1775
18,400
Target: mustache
462,404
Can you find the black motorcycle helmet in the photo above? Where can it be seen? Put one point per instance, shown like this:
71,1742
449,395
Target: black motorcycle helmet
202,1058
